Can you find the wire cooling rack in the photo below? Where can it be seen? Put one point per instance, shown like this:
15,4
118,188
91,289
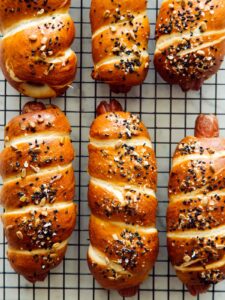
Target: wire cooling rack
169,115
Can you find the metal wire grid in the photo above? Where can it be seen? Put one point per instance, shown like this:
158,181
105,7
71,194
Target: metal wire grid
169,115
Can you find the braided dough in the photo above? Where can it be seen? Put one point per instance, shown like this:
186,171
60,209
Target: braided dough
122,166
38,189
196,214
190,41
35,53
120,31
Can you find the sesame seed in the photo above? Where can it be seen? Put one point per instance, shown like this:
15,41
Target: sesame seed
41,11
187,258
112,28
33,37
44,40
23,173
106,14
19,235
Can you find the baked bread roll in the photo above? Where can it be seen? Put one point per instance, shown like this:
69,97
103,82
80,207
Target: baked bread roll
35,53
38,189
190,43
120,33
196,215
122,165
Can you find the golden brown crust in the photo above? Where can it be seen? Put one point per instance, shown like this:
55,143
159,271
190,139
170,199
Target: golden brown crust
201,281
201,146
44,65
199,11
182,249
195,215
190,41
120,32
117,240
47,121
200,170
108,207
196,174
28,158
39,228
13,11
122,166
118,125
40,263
100,272
198,213
99,7
38,195
33,190
118,244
